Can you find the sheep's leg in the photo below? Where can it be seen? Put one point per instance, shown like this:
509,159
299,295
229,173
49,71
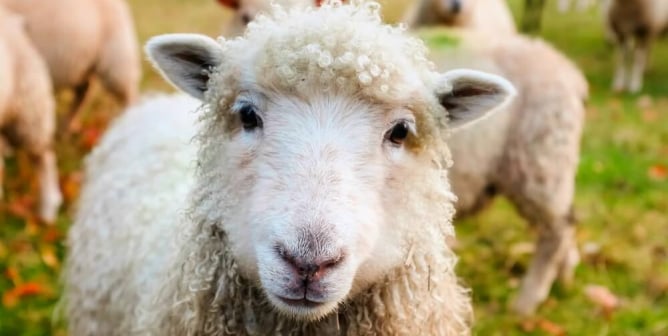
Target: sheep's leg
555,242
73,117
50,196
564,5
640,56
624,50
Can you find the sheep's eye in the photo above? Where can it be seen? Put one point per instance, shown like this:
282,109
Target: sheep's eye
398,134
249,118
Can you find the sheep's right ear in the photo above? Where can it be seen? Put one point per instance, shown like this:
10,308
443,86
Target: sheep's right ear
185,60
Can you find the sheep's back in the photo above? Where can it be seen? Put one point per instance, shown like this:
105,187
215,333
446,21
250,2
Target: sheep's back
67,33
135,192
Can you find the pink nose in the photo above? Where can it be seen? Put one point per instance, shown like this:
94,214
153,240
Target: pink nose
311,269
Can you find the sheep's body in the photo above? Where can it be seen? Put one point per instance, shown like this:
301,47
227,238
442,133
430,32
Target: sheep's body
27,116
80,39
490,16
634,26
528,152
582,5
169,242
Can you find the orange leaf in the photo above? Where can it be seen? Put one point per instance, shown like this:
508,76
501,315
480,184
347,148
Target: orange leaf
658,172
90,137
71,185
52,235
551,328
13,274
11,298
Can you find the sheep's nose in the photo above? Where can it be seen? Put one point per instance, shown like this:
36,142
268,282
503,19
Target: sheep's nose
310,270
456,6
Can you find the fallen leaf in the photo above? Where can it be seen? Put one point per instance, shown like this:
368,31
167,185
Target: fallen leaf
90,137
551,328
644,101
52,234
602,297
71,185
658,172
13,275
11,298
48,254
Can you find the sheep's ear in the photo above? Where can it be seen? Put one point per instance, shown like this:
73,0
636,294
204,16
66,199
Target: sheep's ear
185,60
233,4
470,95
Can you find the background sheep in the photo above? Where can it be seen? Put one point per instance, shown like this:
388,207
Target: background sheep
27,116
246,10
492,16
528,152
565,5
81,39
634,25
309,184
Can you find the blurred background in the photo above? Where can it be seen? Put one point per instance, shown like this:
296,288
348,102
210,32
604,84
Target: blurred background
621,287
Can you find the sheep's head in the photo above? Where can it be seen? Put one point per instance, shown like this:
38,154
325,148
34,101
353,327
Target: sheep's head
323,146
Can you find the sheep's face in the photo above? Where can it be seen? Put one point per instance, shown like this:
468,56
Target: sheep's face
310,177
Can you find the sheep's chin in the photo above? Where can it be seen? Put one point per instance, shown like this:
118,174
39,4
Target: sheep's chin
302,311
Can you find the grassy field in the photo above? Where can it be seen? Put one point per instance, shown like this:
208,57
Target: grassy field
622,201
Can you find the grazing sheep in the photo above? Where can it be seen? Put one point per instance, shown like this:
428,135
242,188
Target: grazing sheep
527,152
27,116
492,16
81,39
246,10
634,25
314,200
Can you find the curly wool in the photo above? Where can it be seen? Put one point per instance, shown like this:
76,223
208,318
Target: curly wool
194,286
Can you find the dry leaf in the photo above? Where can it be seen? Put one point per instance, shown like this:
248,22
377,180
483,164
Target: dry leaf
551,328
48,254
71,186
13,275
658,172
602,297
11,298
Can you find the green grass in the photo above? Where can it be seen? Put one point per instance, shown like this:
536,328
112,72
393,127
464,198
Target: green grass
622,206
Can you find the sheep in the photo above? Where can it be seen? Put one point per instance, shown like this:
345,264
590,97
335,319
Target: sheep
491,16
27,115
634,26
320,144
246,10
527,152
82,39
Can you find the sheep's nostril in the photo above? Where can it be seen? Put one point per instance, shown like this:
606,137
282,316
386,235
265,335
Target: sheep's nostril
308,269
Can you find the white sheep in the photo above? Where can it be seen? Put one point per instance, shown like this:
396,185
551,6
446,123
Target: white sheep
27,109
492,16
634,26
81,39
527,152
246,10
314,199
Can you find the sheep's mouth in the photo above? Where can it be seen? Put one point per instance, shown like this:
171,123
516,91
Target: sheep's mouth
300,303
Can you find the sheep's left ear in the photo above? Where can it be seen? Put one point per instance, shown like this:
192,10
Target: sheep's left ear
185,60
470,95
